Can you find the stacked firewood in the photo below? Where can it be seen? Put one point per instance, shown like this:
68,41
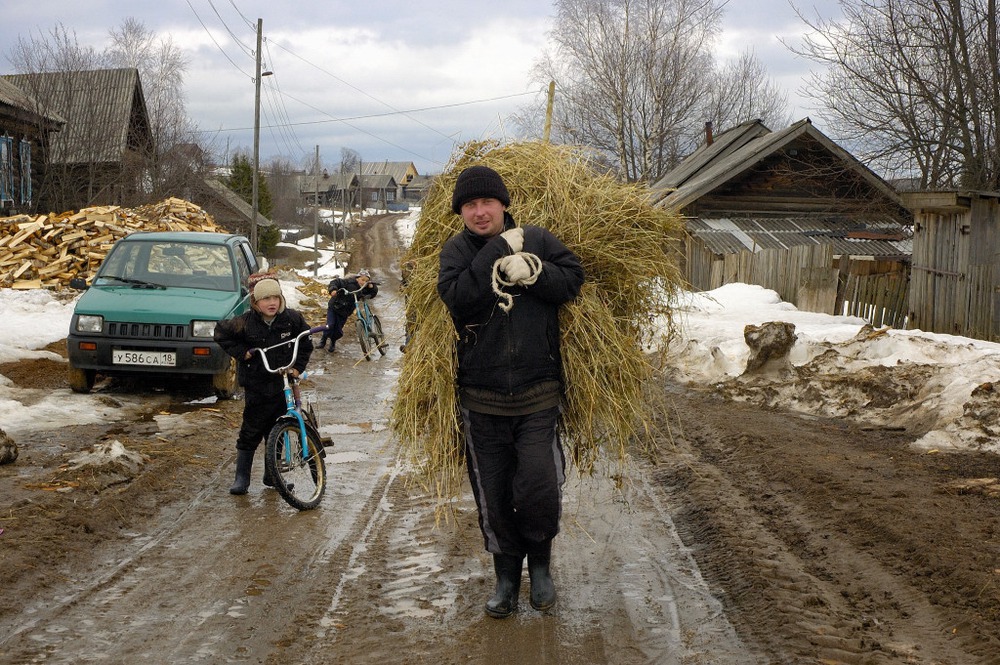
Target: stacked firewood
47,251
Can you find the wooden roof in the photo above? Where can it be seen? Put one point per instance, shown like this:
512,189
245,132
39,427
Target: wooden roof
105,112
401,172
24,106
735,154
232,201
309,183
378,181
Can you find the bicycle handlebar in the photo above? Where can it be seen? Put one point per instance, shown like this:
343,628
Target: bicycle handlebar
356,291
295,350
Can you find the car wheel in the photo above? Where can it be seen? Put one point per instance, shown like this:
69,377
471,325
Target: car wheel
81,380
224,382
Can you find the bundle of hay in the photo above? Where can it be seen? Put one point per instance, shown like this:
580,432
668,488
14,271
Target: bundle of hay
628,250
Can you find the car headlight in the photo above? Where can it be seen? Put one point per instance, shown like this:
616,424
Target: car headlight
204,329
89,323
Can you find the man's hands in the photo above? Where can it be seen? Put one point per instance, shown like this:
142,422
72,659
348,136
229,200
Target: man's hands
516,268
514,238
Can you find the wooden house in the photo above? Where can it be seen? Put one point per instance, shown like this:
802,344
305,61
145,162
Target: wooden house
792,211
417,189
402,173
339,190
377,191
102,154
25,135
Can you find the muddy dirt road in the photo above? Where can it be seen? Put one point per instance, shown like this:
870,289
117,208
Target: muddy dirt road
752,536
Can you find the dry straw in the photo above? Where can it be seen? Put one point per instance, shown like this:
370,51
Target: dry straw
628,250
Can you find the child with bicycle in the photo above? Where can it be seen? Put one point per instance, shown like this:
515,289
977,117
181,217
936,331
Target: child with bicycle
341,304
266,323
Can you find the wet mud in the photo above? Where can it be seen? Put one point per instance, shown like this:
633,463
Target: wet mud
749,535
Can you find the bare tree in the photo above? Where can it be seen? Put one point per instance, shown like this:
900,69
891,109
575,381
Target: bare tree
161,65
636,80
743,91
350,161
913,87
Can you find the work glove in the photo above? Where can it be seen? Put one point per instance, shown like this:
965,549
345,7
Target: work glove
516,268
514,238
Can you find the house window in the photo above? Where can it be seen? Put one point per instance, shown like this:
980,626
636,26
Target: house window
25,171
6,169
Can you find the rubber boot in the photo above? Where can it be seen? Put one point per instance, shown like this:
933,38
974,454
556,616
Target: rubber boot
268,478
504,600
543,589
322,342
244,463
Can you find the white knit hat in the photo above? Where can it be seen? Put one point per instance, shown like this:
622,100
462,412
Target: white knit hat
267,288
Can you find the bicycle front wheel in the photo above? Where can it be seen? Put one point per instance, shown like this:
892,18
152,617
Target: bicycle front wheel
378,337
363,339
296,465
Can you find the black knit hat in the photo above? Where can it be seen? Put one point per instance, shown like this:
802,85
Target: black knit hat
478,182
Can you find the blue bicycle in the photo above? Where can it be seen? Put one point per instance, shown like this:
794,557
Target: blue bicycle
369,327
294,451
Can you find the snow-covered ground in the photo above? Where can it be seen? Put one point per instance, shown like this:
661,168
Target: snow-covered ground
710,350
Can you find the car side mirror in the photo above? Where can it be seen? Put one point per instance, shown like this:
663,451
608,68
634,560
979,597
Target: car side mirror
78,283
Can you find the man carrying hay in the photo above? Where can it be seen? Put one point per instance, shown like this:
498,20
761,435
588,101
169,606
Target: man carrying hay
503,286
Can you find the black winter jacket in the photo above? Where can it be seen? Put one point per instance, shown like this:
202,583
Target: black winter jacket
248,331
507,352
343,303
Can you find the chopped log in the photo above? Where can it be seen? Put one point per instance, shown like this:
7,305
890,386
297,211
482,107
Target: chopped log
48,250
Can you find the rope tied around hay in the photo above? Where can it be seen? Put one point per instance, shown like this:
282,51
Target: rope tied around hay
507,299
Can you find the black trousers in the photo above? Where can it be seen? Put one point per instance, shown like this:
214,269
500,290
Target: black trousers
260,412
335,325
517,468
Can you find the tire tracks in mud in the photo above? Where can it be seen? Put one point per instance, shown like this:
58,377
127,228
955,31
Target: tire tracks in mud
764,501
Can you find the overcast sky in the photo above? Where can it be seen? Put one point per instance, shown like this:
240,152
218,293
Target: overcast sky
398,81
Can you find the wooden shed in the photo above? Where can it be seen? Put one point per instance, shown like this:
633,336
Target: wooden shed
955,281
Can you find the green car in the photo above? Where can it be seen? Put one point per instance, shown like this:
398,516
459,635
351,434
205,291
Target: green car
153,305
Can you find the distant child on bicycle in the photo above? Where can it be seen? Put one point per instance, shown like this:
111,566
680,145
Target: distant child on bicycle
341,304
266,323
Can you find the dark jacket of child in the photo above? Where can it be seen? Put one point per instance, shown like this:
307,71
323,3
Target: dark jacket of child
343,303
238,335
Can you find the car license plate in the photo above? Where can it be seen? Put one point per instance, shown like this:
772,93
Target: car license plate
146,358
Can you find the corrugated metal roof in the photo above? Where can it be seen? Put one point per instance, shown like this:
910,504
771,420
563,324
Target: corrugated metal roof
724,235
105,112
13,96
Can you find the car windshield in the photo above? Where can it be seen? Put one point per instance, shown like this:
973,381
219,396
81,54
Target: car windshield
170,264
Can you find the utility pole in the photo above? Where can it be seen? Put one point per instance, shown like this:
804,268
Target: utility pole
256,138
548,111
316,221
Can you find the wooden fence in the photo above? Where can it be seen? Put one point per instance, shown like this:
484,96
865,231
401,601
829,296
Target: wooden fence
809,277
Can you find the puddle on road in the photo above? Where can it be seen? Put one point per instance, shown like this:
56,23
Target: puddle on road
346,457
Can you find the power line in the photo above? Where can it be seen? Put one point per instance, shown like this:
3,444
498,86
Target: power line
357,89
247,50
383,115
250,24
212,37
